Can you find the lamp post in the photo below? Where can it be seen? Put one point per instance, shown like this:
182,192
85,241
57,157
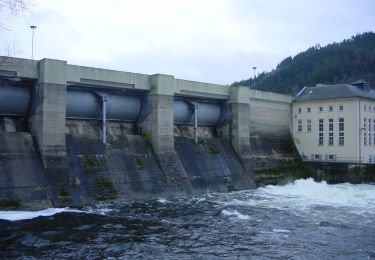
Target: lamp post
254,68
32,27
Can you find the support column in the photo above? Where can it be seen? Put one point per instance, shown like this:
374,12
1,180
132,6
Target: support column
48,122
240,121
158,127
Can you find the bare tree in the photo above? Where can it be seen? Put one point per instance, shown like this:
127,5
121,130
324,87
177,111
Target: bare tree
13,7
10,8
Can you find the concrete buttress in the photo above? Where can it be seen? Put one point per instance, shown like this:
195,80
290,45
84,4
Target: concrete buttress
158,127
47,123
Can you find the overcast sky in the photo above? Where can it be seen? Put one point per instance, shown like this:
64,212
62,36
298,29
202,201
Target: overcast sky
217,41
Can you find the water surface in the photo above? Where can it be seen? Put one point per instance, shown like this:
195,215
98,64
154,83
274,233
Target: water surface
301,220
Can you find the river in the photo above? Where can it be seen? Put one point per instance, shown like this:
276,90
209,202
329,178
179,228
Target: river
301,220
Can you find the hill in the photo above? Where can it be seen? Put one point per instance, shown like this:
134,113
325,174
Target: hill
343,62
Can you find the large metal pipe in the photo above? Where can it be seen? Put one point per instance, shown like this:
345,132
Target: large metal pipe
208,114
87,105
15,100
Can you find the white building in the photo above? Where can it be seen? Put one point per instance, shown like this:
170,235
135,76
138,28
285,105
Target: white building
335,123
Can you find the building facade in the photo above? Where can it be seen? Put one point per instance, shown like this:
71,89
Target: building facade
335,123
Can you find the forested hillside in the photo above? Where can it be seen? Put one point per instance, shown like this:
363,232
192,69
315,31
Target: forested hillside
342,62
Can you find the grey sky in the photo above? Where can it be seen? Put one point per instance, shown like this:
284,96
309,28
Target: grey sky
216,41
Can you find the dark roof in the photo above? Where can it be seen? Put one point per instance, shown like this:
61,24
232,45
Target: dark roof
338,91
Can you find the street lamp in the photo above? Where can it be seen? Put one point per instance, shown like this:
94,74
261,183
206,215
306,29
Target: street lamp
254,68
32,27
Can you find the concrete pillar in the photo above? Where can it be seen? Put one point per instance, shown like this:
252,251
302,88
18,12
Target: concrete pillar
240,121
158,126
47,123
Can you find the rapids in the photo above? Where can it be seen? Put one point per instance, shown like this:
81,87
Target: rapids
301,220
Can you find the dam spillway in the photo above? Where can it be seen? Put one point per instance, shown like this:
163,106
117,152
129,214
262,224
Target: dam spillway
147,121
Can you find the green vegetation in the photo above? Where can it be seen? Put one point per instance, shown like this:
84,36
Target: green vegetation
343,62
103,189
90,165
64,195
209,143
141,164
9,203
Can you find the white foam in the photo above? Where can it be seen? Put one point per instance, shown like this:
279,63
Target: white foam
285,231
100,209
234,213
163,201
308,192
21,215
306,197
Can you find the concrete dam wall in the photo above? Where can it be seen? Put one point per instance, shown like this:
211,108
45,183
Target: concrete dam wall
73,135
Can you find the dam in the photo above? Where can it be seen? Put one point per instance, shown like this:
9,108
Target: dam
74,135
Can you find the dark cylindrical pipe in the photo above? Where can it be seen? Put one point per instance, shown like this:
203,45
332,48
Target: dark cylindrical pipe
208,113
87,105
15,100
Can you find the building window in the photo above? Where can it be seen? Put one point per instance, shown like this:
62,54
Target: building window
320,109
330,124
341,108
316,156
321,125
365,138
341,138
331,157
341,131
299,126
299,110
369,132
321,139
321,129
308,109
341,124
370,158
330,133
365,108
364,131
330,138
309,125
330,108
369,125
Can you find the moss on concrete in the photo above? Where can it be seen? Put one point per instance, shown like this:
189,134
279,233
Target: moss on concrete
103,189
10,203
141,164
64,196
209,143
90,162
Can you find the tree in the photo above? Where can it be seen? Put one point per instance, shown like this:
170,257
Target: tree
10,8
343,62
13,7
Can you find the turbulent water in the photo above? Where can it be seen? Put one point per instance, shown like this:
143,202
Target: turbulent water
301,220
